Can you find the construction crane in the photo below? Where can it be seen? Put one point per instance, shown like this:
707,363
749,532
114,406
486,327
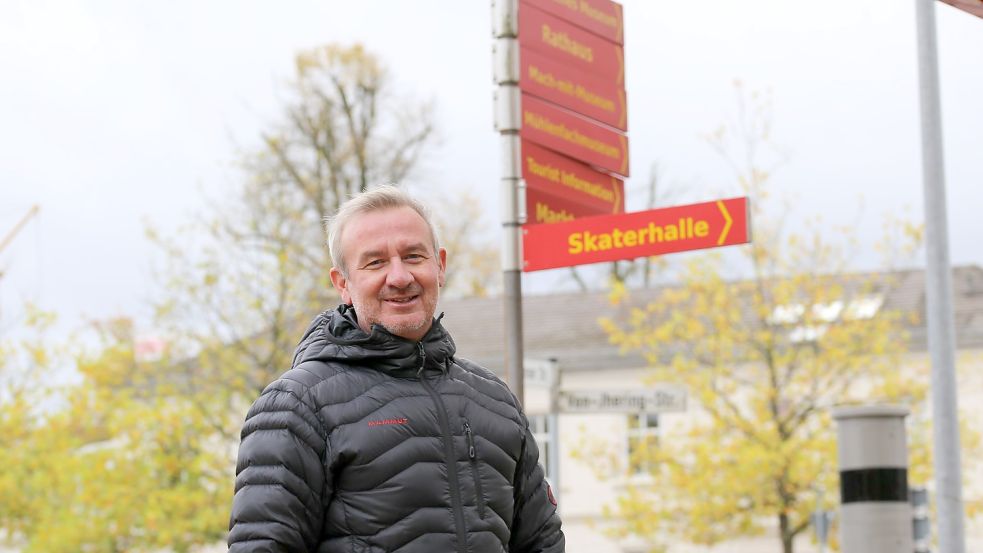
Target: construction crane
9,237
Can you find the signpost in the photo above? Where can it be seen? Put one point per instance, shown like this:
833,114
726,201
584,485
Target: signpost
567,86
660,399
572,135
601,17
550,175
573,110
571,45
561,111
545,208
637,234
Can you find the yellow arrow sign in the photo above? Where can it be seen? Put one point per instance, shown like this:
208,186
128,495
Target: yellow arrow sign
727,222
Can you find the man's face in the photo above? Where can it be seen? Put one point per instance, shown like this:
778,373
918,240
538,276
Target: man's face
394,274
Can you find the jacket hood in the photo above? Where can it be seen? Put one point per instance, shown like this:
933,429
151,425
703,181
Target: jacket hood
346,342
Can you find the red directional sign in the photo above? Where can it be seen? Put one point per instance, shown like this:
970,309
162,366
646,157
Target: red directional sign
601,17
637,234
574,136
571,45
543,207
566,181
572,88
974,7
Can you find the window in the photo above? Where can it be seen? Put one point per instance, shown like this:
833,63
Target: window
540,427
864,307
643,438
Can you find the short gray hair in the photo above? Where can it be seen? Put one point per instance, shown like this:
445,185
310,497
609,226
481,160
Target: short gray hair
386,196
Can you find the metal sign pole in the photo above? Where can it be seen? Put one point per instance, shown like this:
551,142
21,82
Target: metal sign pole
938,285
506,73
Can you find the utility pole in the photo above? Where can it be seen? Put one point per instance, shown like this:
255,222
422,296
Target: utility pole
938,291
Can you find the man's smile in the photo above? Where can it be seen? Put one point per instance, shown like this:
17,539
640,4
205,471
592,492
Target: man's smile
401,300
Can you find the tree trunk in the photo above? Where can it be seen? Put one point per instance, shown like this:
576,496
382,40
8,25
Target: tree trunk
785,532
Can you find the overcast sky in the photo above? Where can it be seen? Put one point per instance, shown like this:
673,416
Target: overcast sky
115,113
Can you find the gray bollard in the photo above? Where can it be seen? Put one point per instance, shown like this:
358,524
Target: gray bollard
875,516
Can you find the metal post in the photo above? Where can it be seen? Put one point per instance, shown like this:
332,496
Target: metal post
920,523
507,122
938,285
875,515
821,522
513,330
554,423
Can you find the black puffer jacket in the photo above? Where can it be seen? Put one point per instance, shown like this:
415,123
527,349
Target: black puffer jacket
373,443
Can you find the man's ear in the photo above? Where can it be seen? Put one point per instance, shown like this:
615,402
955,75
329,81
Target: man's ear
341,284
442,261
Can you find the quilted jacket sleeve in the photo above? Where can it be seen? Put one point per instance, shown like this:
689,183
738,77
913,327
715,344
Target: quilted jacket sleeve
280,481
536,524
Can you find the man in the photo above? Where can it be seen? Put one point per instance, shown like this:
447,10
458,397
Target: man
380,439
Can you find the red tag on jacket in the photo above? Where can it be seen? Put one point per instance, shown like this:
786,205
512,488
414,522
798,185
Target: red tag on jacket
549,493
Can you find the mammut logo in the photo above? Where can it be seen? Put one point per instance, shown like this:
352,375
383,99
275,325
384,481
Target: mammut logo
385,422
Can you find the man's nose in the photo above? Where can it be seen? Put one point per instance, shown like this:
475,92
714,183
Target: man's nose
399,276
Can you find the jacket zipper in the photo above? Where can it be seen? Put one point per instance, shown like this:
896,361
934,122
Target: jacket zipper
479,494
452,476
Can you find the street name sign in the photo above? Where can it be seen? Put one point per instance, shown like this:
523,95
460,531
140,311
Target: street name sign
572,45
636,234
660,399
569,134
601,17
539,372
572,88
551,175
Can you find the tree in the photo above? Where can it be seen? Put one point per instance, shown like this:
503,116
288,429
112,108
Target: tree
237,304
116,462
23,361
764,358
474,262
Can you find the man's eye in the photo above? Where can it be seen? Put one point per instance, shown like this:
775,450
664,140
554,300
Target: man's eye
373,264
415,257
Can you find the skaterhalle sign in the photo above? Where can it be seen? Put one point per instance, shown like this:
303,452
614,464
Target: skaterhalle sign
637,234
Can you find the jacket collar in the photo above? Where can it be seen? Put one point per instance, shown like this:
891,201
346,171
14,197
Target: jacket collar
380,349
